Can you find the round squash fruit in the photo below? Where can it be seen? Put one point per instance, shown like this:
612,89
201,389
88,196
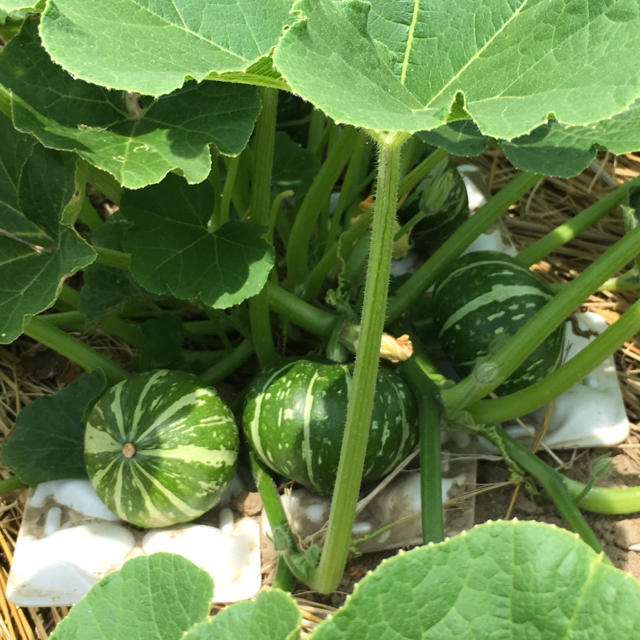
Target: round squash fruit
160,449
295,414
480,302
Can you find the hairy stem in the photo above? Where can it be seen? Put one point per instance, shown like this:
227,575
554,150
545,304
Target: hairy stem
317,195
345,494
71,348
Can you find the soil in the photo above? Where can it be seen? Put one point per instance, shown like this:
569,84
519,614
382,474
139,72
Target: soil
617,534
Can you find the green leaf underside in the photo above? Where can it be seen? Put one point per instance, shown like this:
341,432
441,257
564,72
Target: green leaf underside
172,251
185,448
140,601
155,46
46,442
174,132
481,301
36,251
499,580
553,149
295,414
400,66
272,616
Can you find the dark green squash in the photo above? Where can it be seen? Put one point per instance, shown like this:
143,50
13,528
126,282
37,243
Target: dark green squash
294,420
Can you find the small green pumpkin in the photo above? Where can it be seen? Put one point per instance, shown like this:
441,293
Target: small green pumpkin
482,300
295,414
160,448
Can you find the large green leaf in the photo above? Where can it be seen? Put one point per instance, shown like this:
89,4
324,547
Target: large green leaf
36,250
389,65
138,148
173,251
509,580
553,149
153,46
272,616
151,597
564,151
47,442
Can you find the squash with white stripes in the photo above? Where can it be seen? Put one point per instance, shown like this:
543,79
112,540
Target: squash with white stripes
160,448
295,414
480,302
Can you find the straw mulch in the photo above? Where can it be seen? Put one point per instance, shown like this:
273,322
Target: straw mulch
549,203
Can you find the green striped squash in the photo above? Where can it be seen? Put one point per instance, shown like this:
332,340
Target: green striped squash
160,448
482,300
294,420
439,204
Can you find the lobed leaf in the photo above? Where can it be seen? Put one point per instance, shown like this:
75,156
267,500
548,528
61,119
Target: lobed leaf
156,596
499,580
272,616
47,442
36,251
154,46
173,251
389,65
137,145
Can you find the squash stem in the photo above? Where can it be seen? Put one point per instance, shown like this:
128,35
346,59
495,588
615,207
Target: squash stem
430,414
229,182
565,232
549,479
311,206
538,394
282,537
421,170
259,317
11,484
227,364
71,348
302,313
608,500
420,281
529,336
345,495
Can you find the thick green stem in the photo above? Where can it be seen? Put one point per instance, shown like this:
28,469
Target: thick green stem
411,290
105,183
345,494
11,484
300,312
68,297
313,283
88,215
570,229
352,176
113,258
542,392
227,365
610,500
316,197
549,479
421,170
259,318
530,335
282,537
430,414
227,190
76,351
